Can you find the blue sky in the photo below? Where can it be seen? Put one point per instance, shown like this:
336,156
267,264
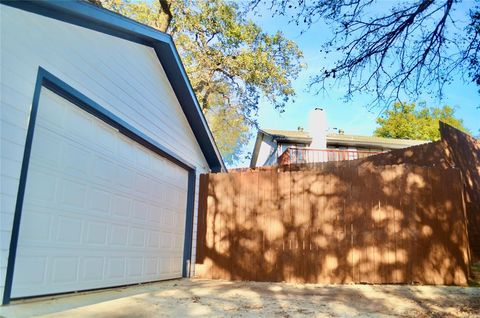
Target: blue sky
351,116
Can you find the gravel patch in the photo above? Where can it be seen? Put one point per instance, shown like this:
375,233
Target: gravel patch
209,298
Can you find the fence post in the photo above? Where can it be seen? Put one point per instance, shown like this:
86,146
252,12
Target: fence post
202,217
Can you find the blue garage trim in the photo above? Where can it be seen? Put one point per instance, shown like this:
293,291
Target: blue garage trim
21,192
187,244
53,83
66,91
89,16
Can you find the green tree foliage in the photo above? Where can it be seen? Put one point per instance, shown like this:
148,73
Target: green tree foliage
231,61
222,118
407,122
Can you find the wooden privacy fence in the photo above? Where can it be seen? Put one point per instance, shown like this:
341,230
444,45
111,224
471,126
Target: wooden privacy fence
388,224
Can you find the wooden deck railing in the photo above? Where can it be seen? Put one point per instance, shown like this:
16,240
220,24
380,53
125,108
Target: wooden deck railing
294,155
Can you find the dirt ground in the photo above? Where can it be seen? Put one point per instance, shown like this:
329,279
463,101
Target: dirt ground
207,298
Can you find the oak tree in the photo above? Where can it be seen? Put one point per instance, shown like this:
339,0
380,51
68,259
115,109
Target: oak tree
231,61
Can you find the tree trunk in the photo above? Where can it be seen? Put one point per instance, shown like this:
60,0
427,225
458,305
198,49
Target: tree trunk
166,15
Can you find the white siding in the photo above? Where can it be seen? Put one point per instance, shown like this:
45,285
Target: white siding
124,77
267,147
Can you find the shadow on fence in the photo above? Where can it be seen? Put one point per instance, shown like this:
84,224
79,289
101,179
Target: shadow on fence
388,224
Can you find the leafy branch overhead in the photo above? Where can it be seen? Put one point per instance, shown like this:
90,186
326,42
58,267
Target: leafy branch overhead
231,61
392,49
220,48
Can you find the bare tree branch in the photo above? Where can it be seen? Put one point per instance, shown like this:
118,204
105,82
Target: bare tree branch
409,49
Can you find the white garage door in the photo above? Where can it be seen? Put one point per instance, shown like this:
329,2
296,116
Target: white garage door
99,209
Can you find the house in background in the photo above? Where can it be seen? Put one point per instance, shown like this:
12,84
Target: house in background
274,147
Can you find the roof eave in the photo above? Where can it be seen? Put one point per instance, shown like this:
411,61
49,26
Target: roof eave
364,143
276,137
92,17
298,140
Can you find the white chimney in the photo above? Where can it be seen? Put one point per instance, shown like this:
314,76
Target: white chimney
317,128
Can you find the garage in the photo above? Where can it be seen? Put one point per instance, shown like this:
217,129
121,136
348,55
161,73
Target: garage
99,209
102,141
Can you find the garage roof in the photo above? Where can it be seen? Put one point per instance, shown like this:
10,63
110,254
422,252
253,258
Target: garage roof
89,16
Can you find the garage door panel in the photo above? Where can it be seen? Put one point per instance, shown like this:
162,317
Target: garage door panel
128,177
140,210
37,226
106,137
72,194
56,115
99,210
64,269
126,149
42,219
41,186
103,170
96,233
75,160
92,269
48,150
98,201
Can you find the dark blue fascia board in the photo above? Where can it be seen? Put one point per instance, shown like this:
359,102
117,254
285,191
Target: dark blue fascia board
89,16
183,92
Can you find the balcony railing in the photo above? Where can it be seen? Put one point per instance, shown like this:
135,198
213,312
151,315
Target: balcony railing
308,155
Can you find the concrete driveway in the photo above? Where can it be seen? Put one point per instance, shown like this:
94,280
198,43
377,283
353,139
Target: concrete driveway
207,298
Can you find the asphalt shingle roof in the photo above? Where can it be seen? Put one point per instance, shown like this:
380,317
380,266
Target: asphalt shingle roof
293,134
374,139
344,138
